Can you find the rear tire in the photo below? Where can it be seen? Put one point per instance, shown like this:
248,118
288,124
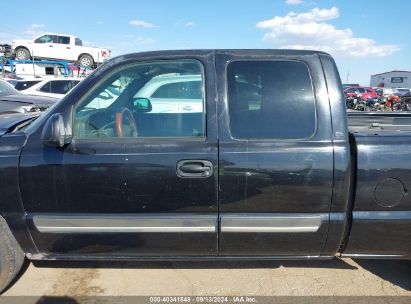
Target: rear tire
22,54
86,60
11,255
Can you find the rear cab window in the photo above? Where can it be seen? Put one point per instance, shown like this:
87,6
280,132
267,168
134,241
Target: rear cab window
78,42
63,40
270,100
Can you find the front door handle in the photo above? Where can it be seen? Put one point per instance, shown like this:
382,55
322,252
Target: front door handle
194,168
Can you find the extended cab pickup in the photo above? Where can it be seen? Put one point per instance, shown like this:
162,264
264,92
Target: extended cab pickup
263,167
59,46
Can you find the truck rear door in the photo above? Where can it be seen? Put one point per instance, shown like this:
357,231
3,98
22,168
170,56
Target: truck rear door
63,48
275,154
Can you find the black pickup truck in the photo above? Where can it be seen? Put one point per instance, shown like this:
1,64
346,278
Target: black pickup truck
207,154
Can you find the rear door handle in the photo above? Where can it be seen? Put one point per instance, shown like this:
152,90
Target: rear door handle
194,168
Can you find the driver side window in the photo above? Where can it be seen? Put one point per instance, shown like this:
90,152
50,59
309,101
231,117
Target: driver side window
123,103
45,39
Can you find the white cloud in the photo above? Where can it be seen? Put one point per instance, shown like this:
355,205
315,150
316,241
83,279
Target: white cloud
185,23
35,30
87,43
33,33
144,40
36,25
294,2
6,37
128,43
309,31
142,23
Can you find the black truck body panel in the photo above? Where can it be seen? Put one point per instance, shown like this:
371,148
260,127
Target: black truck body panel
266,198
124,177
10,199
275,177
381,224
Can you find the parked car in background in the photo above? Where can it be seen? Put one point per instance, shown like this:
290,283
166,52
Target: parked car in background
12,101
48,87
379,91
402,91
403,101
371,93
350,92
363,93
384,92
5,50
13,82
9,122
169,93
174,94
6,83
59,46
406,96
347,85
24,84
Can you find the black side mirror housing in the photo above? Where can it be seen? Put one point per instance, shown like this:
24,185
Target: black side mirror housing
142,105
54,132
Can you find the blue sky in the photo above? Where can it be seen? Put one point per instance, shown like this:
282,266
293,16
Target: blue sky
365,37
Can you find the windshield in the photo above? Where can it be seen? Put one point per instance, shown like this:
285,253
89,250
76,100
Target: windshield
6,89
361,90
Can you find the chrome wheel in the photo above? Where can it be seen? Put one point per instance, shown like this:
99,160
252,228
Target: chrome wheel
86,60
22,54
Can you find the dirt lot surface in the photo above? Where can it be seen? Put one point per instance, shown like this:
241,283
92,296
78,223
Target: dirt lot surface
260,278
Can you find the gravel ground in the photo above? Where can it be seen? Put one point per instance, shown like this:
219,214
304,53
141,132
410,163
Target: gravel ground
261,278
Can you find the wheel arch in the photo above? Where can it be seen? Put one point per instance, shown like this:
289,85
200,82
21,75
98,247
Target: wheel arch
82,54
22,47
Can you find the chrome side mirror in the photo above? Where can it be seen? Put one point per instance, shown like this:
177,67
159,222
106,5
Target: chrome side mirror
54,132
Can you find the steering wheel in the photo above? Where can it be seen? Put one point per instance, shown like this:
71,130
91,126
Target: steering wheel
122,116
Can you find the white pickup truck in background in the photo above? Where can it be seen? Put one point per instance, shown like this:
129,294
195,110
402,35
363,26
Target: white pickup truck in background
59,46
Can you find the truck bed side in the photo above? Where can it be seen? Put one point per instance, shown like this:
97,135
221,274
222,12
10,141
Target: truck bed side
381,216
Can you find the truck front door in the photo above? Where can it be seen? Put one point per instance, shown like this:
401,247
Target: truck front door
276,155
44,47
132,182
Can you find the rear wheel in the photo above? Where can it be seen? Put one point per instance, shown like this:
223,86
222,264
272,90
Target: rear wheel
22,54
11,255
86,60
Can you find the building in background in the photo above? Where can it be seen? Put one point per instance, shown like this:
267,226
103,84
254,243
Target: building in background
392,79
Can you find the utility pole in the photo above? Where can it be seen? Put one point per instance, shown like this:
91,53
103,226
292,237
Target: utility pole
34,67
